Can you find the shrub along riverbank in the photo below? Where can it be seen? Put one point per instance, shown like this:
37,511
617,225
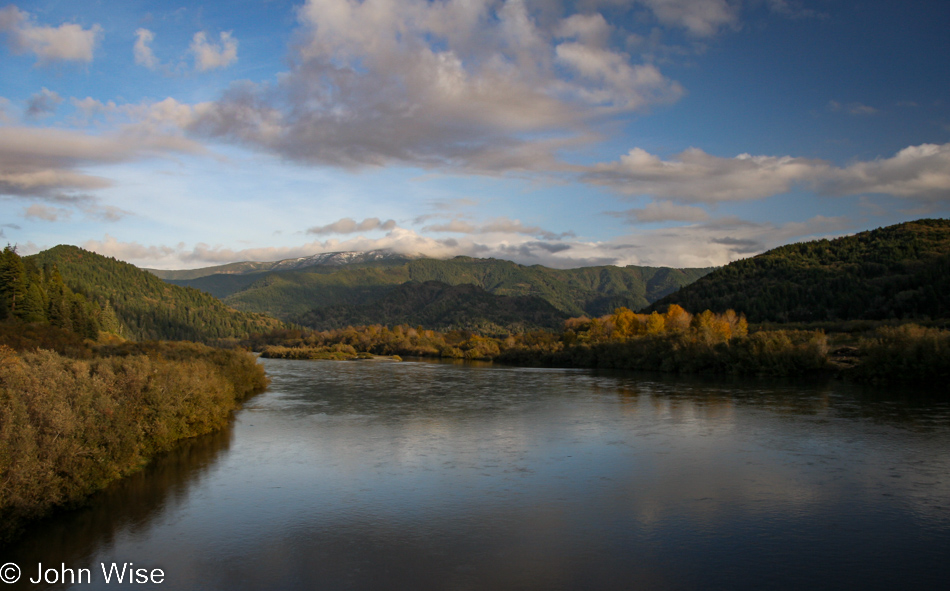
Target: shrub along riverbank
69,426
675,341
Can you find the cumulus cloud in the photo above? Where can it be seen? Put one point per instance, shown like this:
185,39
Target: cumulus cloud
663,211
142,49
694,175
459,85
211,56
42,104
916,172
591,29
67,42
350,226
616,82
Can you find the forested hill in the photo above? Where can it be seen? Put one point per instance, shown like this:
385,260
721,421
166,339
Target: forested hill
900,271
439,306
146,306
587,290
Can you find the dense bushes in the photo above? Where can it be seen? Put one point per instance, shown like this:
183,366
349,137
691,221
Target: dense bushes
777,353
905,353
70,426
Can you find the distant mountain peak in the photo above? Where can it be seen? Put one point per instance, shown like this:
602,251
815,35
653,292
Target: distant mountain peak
336,259
323,259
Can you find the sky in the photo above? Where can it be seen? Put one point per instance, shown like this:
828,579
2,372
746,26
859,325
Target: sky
684,133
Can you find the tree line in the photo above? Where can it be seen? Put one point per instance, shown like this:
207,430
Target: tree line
30,293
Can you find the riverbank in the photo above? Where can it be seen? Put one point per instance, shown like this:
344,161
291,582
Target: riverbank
675,343
69,427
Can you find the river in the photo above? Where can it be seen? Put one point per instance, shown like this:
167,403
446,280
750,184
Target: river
422,475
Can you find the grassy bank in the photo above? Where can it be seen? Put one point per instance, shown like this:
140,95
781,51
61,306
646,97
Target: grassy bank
69,427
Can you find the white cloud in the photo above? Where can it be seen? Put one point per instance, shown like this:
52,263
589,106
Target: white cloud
458,85
917,172
350,226
616,82
42,104
590,29
67,42
143,51
211,56
48,163
696,176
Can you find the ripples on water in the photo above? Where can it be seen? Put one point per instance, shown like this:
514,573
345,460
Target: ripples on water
377,475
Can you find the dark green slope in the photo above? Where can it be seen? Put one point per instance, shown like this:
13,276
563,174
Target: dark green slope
589,290
146,306
221,285
900,271
440,306
290,294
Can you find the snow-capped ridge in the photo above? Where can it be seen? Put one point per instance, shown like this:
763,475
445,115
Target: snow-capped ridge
336,259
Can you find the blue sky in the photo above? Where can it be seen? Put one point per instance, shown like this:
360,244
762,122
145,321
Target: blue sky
654,132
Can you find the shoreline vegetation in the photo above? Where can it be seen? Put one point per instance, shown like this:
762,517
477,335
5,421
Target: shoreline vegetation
674,342
72,422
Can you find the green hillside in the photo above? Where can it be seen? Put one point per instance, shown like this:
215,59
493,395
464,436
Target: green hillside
146,306
589,290
440,306
900,271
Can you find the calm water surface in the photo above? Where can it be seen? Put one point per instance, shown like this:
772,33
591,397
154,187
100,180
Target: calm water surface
380,475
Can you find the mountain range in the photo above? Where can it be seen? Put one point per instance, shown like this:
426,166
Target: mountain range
899,272
294,289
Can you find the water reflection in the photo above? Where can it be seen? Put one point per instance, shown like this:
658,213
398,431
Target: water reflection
464,476
129,508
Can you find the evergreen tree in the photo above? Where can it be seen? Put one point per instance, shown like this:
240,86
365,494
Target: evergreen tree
13,283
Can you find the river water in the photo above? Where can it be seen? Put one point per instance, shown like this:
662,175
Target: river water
421,475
